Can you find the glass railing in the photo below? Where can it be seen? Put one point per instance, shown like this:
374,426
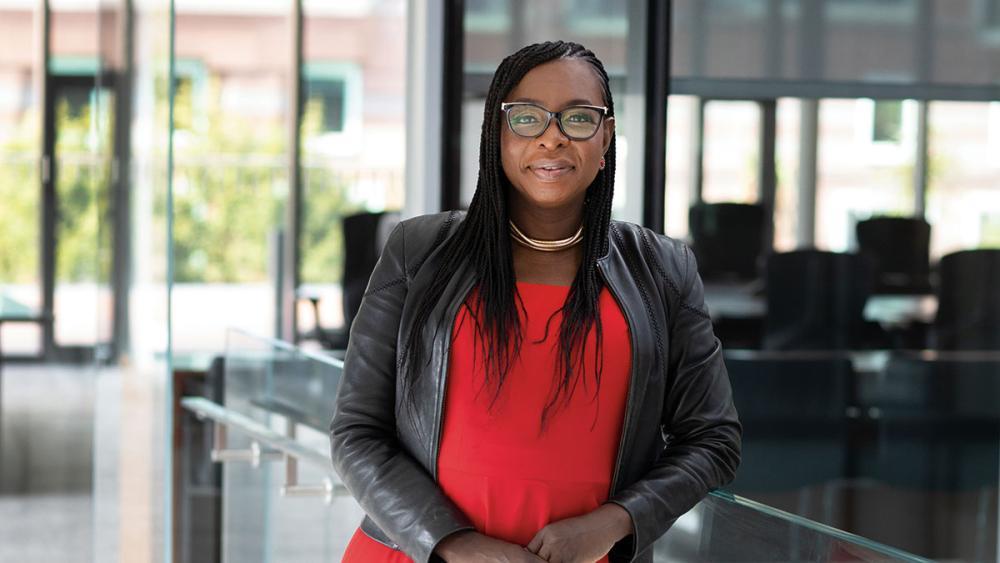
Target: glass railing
900,447
282,501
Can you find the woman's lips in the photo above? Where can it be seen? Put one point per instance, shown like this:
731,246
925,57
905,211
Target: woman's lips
550,173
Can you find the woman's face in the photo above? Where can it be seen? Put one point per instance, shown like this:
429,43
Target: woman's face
552,171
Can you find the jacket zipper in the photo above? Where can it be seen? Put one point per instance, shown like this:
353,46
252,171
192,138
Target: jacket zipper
631,383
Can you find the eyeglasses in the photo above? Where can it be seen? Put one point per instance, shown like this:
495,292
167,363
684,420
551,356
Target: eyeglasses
576,122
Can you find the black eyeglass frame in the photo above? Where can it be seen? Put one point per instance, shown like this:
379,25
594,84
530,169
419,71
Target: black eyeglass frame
506,106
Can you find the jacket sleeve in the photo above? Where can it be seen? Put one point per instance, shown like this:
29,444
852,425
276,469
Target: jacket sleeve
396,492
699,421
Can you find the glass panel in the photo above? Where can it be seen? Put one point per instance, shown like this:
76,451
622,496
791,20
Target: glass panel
291,392
82,134
80,179
230,176
963,176
865,166
352,142
725,528
276,394
20,183
899,447
134,448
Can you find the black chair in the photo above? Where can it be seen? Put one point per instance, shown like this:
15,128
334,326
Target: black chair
899,248
816,301
727,239
365,234
968,316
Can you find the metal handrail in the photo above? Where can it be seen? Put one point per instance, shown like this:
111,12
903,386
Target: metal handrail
267,445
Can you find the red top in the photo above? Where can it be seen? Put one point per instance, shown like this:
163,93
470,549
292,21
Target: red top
509,479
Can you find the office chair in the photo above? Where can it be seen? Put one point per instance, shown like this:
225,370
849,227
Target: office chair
899,248
816,301
968,315
365,234
727,239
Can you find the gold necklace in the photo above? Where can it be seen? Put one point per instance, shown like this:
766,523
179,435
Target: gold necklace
546,245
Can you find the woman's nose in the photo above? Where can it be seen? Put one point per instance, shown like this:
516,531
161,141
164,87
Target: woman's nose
553,136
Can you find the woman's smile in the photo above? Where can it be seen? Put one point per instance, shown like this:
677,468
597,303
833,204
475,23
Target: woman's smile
551,170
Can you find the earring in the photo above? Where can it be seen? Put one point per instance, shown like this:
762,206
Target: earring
602,163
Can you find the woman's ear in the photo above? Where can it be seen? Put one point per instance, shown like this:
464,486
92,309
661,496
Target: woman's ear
609,133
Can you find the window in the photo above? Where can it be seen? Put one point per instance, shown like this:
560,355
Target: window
963,178
989,232
885,131
328,95
861,170
887,121
331,112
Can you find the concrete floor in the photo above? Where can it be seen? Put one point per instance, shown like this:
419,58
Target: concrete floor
79,468
46,463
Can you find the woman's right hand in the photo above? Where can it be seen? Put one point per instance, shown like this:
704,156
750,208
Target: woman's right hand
469,546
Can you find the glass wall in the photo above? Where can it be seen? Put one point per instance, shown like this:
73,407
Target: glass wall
79,167
230,169
59,79
133,426
864,363
20,163
352,140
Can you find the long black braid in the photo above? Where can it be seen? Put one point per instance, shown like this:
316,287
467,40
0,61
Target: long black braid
483,242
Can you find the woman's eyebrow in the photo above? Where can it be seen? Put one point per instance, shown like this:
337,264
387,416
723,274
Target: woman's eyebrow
573,102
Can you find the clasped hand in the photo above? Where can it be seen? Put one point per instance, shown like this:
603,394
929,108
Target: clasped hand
583,539
574,540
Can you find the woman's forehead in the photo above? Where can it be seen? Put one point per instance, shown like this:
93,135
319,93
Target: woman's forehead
560,83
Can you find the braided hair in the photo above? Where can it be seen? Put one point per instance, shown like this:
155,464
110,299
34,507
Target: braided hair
482,242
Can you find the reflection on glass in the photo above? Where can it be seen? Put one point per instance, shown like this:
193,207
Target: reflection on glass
82,114
731,529
899,447
291,392
276,394
133,484
230,176
352,140
20,184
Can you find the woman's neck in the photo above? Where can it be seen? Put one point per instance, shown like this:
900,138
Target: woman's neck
547,224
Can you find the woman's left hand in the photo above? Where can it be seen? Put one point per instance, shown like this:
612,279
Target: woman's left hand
583,539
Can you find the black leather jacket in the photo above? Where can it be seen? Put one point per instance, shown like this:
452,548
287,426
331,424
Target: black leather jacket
681,436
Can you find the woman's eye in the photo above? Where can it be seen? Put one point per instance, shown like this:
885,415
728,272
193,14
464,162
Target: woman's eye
579,118
525,119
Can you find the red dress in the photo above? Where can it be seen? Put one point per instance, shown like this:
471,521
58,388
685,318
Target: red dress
509,479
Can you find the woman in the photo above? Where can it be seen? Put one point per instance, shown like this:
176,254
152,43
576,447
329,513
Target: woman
530,380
